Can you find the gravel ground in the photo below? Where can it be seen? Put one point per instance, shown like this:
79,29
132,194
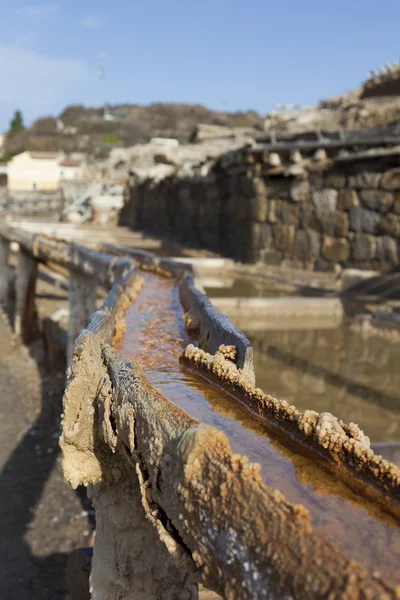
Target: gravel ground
41,518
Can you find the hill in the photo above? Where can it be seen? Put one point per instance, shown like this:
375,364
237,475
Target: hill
79,128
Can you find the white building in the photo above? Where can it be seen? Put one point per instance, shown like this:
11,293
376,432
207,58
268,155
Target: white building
41,171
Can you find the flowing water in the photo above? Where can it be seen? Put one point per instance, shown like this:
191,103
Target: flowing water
156,337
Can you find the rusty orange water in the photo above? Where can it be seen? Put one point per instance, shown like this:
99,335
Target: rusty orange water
156,338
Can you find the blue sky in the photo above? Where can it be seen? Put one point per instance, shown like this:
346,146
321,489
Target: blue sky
225,54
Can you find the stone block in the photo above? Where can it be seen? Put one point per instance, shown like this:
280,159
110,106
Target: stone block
307,245
325,199
365,180
363,247
340,224
307,215
325,202
376,199
274,211
289,213
299,190
364,220
396,203
348,199
391,180
335,179
259,186
335,249
334,223
387,250
259,209
316,180
246,185
283,236
261,239
390,224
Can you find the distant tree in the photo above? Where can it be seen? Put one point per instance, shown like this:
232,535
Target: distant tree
17,123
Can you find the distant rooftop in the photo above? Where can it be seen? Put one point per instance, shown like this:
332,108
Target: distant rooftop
44,155
67,162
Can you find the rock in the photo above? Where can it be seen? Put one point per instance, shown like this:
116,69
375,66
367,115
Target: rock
246,185
363,247
325,199
274,159
325,202
347,199
296,157
335,249
390,224
391,180
259,209
259,186
283,237
307,245
386,250
316,180
396,204
376,199
320,155
334,179
261,235
300,190
365,180
362,219
290,213
274,212
340,224
307,215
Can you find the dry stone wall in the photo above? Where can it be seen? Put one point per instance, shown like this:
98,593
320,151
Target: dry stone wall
320,214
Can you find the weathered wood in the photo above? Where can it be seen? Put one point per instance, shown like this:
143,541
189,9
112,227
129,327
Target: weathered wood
25,295
82,303
209,506
126,536
187,465
5,277
213,327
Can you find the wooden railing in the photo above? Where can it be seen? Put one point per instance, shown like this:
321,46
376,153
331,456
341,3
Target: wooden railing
174,505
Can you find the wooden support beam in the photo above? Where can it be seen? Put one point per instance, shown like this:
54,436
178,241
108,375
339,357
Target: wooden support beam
82,303
5,275
25,295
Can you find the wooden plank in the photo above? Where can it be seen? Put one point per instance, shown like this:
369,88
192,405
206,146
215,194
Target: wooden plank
25,296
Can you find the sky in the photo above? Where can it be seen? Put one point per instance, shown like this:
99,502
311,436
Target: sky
224,54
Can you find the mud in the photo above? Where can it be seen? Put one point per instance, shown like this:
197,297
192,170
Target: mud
156,337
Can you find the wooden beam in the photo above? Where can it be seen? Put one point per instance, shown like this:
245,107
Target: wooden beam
25,295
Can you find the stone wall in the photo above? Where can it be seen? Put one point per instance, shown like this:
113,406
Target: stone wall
251,205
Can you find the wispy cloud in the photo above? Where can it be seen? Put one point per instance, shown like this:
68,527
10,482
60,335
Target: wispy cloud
37,11
91,22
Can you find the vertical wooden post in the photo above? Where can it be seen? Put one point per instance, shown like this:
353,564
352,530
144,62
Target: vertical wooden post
82,303
5,274
129,559
25,295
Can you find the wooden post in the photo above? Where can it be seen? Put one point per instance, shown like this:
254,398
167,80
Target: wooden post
5,274
82,303
25,295
129,559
